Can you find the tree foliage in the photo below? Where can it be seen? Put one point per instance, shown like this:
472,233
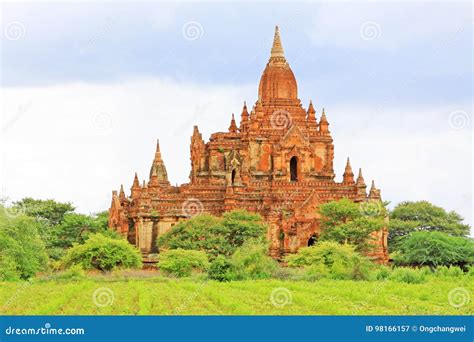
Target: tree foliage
214,235
22,252
59,226
409,217
346,222
103,253
48,211
435,249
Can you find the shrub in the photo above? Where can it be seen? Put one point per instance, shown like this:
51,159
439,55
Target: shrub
8,271
407,275
214,235
288,273
435,249
103,253
181,262
22,252
252,262
452,271
382,273
221,269
331,260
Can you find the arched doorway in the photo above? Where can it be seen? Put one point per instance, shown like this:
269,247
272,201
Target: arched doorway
312,240
294,169
233,176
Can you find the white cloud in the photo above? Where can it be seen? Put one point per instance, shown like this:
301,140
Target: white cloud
77,142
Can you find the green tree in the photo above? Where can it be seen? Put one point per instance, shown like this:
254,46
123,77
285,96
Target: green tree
434,249
47,211
351,223
103,253
408,217
214,235
22,252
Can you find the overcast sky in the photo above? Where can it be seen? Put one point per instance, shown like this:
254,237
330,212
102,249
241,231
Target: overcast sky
87,88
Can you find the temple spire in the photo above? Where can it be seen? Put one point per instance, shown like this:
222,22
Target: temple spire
360,179
233,126
348,176
323,123
122,193
136,183
311,115
277,48
158,170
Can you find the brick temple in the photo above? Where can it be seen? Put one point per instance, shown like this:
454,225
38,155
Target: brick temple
277,162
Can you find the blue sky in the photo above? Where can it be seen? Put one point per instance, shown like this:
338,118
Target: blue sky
88,87
412,61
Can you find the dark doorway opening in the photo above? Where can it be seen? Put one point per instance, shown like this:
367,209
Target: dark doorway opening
312,240
233,176
294,169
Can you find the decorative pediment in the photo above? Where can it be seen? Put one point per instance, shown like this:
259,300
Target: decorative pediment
294,137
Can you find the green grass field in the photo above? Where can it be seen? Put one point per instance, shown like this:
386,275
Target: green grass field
162,296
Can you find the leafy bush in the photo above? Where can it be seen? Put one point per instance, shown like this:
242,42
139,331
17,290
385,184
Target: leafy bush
407,275
221,269
251,261
181,263
214,235
435,249
331,260
382,273
452,271
22,252
103,253
8,269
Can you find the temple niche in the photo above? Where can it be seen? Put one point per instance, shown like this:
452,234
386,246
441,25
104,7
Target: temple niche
278,162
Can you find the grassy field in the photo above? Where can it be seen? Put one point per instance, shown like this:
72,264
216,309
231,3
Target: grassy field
162,296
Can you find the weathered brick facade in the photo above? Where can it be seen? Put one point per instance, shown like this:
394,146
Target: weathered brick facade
278,162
